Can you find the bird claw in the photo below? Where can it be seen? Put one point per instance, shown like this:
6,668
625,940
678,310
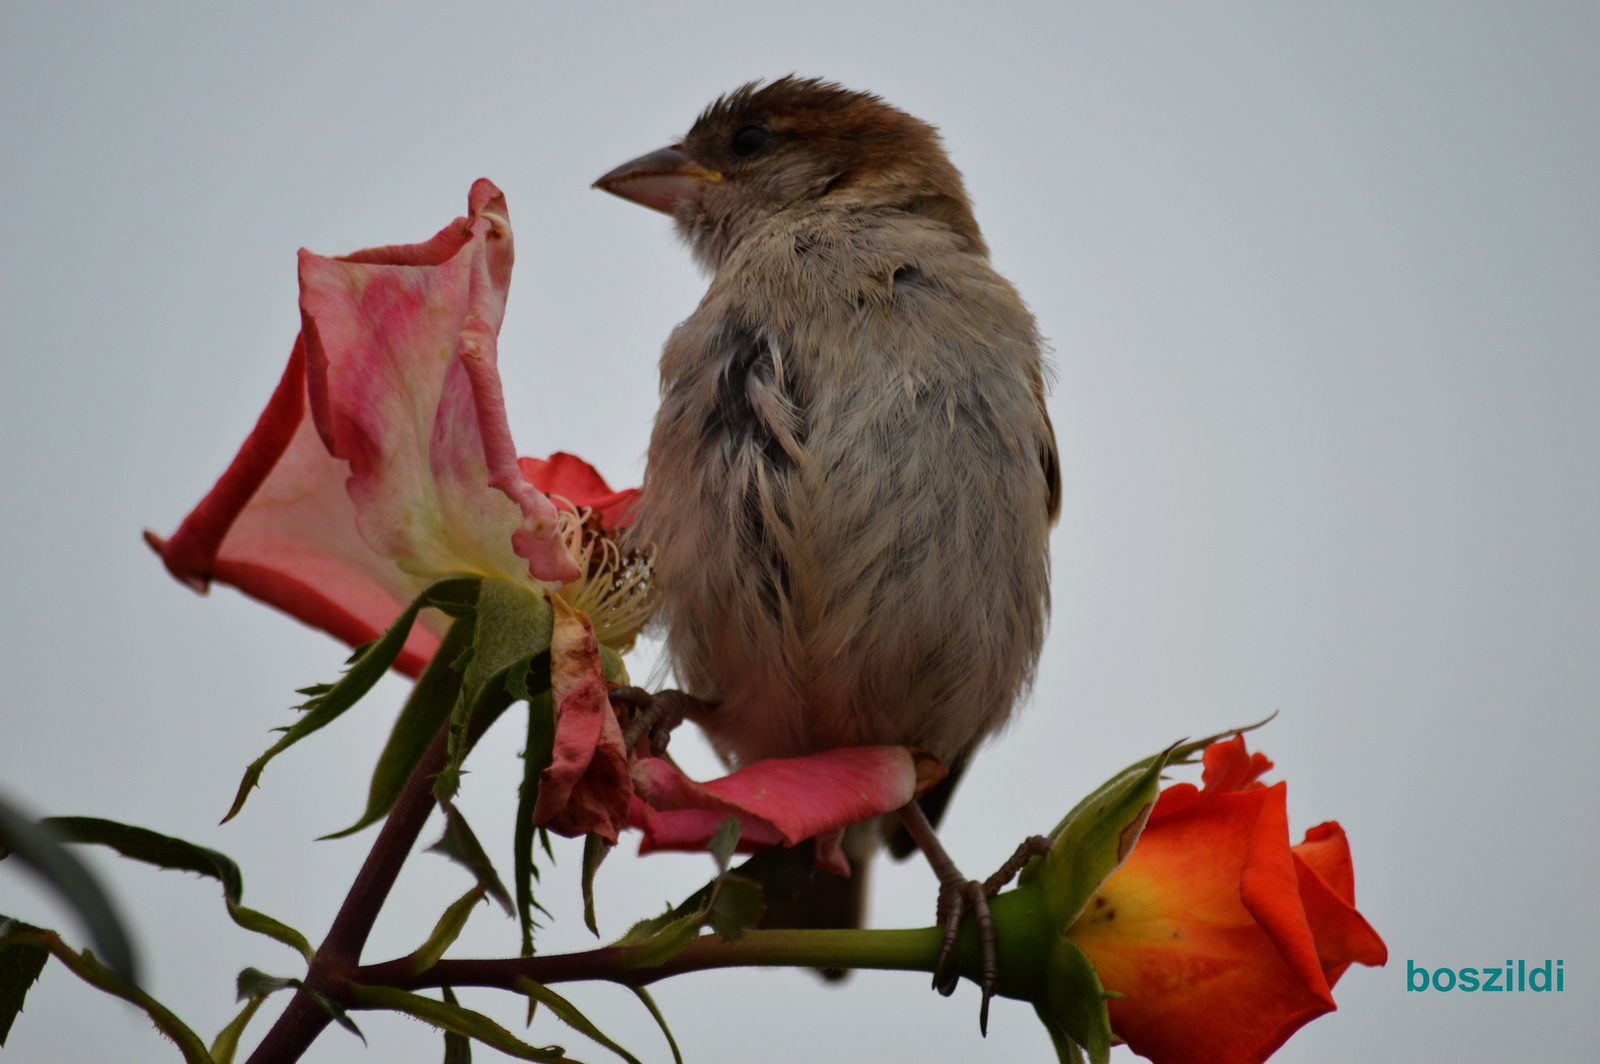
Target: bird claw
655,715
959,896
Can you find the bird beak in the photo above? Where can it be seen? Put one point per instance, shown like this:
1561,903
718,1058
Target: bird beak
661,180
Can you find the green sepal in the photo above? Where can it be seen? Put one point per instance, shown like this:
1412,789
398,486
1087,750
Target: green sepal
460,844
446,931
594,851
568,1014
41,849
164,851
457,1047
20,966
88,968
426,709
1067,1051
1075,1001
454,595
514,625
611,666
1096,838
536,757
448,1016
661,1021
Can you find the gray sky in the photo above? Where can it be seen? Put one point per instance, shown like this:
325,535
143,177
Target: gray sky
1321,285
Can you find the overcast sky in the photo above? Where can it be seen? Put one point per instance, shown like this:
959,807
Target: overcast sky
1321,284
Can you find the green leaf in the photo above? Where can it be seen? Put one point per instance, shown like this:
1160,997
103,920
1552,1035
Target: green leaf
594,851
86,967
736,906
40,847
568,1013
457,1047
254,983
164,851
425,711
450,593
20,966
226,1044
446,931
332,1008
449,1016
460,844
724,841
535,759
661,1021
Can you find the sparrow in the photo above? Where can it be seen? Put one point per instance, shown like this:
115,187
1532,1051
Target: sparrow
852,476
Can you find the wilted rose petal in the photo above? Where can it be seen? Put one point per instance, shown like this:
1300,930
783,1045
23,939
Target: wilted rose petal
586,787
405,469
784,800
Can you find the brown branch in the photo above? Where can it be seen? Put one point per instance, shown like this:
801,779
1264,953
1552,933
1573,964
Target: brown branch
304,1020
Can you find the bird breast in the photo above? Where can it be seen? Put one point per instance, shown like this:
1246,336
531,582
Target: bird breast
845,492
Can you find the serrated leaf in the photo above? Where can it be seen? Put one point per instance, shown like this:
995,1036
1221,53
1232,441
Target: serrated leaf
661,1021
333,1009
461,845
736,906
424,713
164,851
226,1044
254,983
453,1017
536,757
446,931
594,851
88,968
457,1047
20,966
328,705
40,847
724,841
568,1014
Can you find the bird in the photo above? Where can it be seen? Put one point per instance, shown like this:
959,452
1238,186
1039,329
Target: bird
852,476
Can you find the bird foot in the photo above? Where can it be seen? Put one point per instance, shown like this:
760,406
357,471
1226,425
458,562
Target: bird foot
655,715
958,896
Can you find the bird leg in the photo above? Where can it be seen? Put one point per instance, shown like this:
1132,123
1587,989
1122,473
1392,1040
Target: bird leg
655,715
958,895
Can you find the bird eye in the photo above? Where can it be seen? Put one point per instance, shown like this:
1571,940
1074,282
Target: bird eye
749,140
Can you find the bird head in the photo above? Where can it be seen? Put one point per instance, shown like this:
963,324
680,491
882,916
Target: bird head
794,145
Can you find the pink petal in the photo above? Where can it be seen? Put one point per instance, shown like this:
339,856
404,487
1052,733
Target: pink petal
576,481
401,372
586,787
397,367
279,526
793,798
